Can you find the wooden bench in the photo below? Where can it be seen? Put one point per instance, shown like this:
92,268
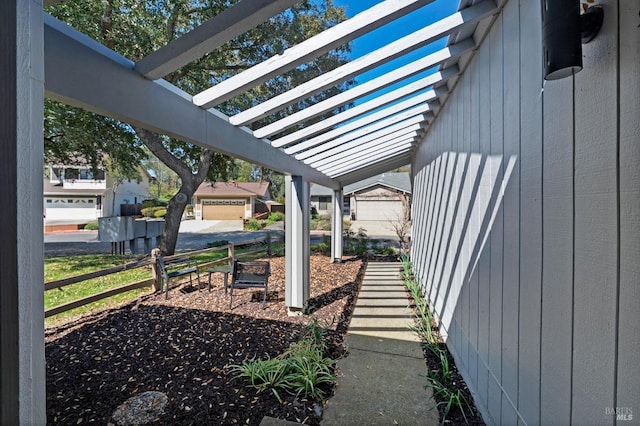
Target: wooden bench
253,274
174,268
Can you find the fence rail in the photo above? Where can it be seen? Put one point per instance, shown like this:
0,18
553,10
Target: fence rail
150,282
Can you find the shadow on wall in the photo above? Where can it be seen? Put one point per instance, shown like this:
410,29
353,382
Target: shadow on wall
464,194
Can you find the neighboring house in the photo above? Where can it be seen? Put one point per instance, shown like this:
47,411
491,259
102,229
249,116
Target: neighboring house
229,200
74,194
376,198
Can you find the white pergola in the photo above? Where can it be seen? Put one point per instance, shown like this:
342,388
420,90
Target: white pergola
362,141
359,142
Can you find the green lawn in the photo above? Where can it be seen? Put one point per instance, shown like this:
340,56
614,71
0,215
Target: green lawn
65,267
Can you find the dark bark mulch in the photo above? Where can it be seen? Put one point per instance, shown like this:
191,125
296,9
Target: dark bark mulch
455,416
184,346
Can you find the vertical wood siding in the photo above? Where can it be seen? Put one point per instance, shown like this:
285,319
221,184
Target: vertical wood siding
526,224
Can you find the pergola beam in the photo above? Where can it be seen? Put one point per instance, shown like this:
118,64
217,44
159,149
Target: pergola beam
347,71
367,154
428,34
323,151
419,110
335,36
372,160
359,152
366,107
399,108
72,62
340,151
375,169
225,26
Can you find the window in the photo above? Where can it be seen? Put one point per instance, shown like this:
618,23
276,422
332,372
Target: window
346,206
324,203
85,174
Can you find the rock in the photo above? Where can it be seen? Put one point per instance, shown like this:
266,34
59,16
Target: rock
140,409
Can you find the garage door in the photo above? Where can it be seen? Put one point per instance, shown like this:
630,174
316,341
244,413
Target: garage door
223,209
378,210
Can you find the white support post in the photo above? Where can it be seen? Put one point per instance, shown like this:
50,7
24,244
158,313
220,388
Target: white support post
297,252
22,360
336,227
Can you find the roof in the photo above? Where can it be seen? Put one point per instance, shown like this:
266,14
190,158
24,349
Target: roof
51,189
399,181
232,189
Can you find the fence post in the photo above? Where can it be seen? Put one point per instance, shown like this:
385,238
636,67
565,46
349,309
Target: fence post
231,252
268,244
157,276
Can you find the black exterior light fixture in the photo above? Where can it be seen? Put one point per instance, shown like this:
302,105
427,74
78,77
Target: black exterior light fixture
564,30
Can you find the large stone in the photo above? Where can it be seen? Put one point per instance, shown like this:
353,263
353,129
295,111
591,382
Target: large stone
140,409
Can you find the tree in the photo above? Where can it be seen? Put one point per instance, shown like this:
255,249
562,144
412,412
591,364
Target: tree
401,224
134,29
247,172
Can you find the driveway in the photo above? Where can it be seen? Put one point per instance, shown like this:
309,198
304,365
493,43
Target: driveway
193,235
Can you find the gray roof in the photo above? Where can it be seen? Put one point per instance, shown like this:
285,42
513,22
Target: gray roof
399,181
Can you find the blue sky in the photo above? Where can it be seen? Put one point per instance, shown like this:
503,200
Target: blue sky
393,31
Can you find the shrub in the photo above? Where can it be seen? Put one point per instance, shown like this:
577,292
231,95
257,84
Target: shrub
322,248
276,216
157,211
253,225
153,203
302,370
218,243
92,226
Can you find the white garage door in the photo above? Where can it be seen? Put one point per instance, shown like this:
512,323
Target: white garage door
378,210
70,209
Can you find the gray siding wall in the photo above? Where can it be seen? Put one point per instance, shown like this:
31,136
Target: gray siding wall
526,216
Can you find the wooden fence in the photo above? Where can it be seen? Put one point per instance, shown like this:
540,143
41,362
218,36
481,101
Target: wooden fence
153,281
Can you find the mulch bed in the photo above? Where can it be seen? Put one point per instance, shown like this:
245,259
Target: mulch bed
183,347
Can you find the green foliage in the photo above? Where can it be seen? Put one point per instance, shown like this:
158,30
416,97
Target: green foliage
324,247
451,398
92,226
153,203
302,370
406,266
276,216
218,243
385,251
77,137
440,381
320,222
253,225
158,211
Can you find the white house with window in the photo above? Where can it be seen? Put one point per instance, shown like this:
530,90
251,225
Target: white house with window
76,195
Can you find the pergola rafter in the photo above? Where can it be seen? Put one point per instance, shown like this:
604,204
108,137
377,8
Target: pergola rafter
344,32
309,148
225,26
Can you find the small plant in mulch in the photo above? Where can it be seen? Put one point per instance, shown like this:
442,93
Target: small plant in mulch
453,399
302,370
